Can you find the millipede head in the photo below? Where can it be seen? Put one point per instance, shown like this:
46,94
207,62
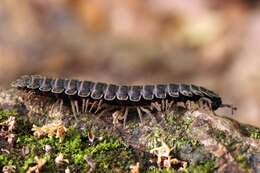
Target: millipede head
22,82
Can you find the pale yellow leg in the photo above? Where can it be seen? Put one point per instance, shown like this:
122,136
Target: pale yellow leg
86,108
99,106
139,114
93,105
61,104
125,116
147,112
157,106
163,105
76,106
83,105
73,109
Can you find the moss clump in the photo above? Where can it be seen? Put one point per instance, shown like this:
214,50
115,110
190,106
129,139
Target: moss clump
5,114
220,135
175,132
4,160
168,170
84,119
252,132
107,154
205,167
242,161
110,154
188,123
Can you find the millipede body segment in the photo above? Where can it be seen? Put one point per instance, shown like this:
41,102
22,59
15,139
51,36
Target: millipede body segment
98,93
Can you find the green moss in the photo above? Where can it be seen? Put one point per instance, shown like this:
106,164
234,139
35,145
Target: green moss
111,154
28,163
252,132
242,161
84,119
108,154
188,123
206,167
194,108
229,142
219,134
168,170
4,160
5,114
184,147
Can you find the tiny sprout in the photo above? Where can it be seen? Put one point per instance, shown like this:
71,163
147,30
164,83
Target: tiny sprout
101,138
11,139
8,169
91,137
56,128
135,168
38,167
25,150
90,162
164,157
116,117
67,170
47,148
10,123
5,151
60,159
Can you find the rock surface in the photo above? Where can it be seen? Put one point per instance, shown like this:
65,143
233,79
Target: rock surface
179,139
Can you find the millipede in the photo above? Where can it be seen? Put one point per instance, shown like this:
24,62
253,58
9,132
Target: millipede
99,98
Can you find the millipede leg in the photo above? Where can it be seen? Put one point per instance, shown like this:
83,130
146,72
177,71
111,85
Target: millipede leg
200,104
29,94
93,105
99,107
169,105
87,103
73,109
166,105
147,112
188,105
61,104
125,116
83,105
157,106
54,105
163,105
77,106
117,115
206,101
139,114
106,110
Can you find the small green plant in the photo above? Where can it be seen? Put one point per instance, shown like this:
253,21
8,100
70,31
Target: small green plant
241,159
253,132
206,167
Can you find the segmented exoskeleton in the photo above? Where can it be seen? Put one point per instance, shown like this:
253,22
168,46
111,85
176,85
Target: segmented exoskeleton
98,97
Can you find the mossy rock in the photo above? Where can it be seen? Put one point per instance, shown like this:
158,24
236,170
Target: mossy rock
204,141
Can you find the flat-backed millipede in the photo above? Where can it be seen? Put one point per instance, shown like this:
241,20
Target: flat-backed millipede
98,97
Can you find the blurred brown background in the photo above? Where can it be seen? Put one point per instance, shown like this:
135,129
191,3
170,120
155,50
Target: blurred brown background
210,43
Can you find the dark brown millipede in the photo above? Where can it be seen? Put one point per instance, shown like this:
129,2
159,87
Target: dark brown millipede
97,96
